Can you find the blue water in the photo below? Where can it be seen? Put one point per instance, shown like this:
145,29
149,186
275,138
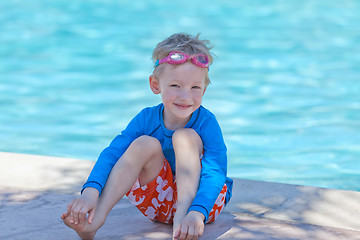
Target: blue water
285,80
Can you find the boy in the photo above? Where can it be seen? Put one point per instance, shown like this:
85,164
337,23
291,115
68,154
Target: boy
171,159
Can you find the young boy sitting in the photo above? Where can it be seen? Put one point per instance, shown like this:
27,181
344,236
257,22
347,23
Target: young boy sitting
171,159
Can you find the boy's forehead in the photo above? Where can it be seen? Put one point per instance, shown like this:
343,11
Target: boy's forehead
184,69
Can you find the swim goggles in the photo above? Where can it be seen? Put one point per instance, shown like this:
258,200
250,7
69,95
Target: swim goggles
175,57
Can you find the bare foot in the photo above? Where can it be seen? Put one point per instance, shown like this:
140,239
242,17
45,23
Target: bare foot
177,223
176,231
82,229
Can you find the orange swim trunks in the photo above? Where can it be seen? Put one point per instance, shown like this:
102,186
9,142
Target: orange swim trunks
157,200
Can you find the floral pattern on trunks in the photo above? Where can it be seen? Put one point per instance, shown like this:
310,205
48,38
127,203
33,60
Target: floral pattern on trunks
157,200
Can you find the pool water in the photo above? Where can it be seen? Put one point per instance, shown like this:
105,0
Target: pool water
285,80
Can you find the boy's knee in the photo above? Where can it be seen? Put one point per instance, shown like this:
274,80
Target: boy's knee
146,144
187,137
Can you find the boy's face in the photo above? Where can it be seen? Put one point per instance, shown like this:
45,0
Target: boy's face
182,88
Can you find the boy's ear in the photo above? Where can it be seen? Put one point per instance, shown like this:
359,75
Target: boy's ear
154,84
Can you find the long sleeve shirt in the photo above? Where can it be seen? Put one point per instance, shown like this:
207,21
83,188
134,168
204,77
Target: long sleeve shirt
150,122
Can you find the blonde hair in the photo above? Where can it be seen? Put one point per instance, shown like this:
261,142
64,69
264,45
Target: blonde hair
185,43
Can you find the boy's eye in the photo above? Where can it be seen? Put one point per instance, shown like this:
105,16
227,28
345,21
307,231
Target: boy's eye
196,87
174,85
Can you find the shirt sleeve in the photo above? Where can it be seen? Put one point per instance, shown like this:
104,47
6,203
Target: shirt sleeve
110,155
214,167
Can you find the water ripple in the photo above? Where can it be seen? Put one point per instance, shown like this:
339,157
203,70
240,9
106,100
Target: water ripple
285,81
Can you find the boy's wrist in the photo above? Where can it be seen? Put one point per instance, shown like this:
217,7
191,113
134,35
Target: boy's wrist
198,214
90,192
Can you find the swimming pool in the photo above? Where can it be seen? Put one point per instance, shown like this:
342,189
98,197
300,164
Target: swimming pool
285,80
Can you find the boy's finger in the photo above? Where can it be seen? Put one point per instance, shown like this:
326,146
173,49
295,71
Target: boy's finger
69,206
183,232
201,230
82,214
72,211
191,233
91,216
77,213
196,233
73,205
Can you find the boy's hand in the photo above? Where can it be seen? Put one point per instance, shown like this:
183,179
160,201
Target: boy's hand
80,207
191,227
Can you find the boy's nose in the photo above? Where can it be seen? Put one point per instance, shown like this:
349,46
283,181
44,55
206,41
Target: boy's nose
184,94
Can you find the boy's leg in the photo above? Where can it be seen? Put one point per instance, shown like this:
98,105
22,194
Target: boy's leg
143,160
188,148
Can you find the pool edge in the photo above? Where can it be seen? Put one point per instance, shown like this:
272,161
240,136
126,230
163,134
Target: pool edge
29,179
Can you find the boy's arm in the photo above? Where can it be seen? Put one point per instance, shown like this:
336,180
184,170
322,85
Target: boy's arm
106,161
214,167
110,155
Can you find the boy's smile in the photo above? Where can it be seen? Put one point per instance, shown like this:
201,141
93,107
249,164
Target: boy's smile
182,88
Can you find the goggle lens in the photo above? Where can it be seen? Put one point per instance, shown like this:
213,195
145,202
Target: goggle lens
202,59
177,56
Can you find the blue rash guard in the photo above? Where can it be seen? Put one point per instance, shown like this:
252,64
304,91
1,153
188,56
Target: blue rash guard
150,122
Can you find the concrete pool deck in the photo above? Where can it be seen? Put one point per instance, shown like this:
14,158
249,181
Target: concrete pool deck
35,190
